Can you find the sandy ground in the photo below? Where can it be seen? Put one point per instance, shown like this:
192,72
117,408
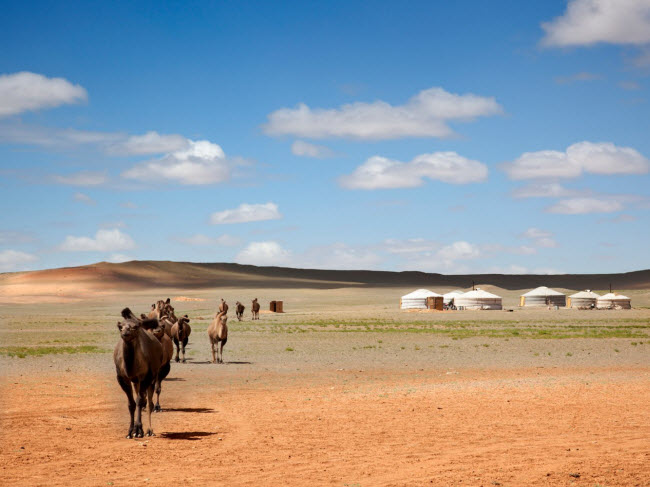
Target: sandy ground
312,397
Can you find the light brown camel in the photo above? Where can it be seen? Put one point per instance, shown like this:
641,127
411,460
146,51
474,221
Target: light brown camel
162,310
256,309
223,306
138,358
180,332
239,310
168,352
218,334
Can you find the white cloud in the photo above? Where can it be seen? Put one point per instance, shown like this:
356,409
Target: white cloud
629,85
82,178
424,115
15,260
264,254
544,190
25,91
379,172
201,163
338,256
510,269
128,204
411,245
119,258
105,241
596,158
587,22
247,213
84,198
12,237
150,143
201,240
572,78
459,251
580,206
305,149
540,238
16,133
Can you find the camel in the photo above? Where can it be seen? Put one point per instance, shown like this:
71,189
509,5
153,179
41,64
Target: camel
218,334
168,352
180,333
138,358
164,311
223,306
239,310
256,309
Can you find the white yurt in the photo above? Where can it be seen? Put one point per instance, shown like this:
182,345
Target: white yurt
583,299
542,296
446,298
417,299
613,301
478,299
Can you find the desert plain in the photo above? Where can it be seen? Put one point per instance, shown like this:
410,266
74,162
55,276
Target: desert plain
341,389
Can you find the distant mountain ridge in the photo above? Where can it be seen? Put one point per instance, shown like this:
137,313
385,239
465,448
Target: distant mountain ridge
161,274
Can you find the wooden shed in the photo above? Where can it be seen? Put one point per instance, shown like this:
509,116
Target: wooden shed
276,306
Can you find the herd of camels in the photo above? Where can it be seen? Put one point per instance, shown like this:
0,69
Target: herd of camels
144,352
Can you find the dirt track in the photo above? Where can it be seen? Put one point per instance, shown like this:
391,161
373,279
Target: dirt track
226,425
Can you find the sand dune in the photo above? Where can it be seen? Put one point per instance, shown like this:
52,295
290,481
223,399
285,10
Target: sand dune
106,278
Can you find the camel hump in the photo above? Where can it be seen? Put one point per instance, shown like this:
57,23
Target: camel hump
127,314
149,324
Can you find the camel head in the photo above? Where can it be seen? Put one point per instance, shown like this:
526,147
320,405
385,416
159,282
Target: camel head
129,327
168,312
158,332
224,319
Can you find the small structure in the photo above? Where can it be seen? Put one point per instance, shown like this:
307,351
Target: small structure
478,299
419,300
451,295
613,301
583,300
542,296
276,306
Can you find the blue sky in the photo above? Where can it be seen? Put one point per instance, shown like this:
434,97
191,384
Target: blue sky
452,137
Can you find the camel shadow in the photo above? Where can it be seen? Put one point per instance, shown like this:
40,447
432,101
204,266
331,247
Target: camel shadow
175,379
186,435
239,363
190,410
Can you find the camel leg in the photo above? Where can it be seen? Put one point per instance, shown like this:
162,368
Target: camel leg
126,387
141,402
221,352
150,408
214,360
184,343
177,350
164,371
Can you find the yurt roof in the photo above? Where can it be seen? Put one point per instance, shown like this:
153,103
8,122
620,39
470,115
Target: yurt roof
479,293
613,296
585,294
543,291
452,294
420,293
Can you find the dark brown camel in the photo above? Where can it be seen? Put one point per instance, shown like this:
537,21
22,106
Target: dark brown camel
218,335
256,309
239,310
138,358
168,352
180,333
